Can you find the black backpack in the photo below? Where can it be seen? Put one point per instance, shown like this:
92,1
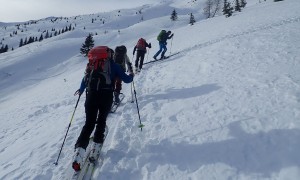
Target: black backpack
119,56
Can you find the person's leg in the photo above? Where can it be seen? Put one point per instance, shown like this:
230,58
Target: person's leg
142,59
104,109
138,55
136,65
160,49
118,89
164,51
91,111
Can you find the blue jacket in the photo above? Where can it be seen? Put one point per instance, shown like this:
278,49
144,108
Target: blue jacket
116,71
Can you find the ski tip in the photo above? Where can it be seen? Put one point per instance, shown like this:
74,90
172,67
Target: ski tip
76,166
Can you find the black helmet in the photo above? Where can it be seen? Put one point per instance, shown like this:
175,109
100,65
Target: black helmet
169,32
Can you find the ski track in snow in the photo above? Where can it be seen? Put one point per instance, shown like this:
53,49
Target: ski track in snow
165,151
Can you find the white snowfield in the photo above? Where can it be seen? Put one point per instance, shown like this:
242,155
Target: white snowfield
227,107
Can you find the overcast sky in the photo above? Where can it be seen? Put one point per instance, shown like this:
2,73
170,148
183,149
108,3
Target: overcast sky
24,10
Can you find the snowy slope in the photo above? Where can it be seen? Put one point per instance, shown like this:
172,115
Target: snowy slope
225,107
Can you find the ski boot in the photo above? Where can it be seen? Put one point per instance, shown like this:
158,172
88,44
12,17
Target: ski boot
163,57
95,152
117,98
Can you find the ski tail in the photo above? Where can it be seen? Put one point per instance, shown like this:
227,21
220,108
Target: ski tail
87,169
115,105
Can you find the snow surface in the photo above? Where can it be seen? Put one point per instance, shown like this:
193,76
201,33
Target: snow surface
227,107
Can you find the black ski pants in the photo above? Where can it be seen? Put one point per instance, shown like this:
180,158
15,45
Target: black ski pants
140,55
97,108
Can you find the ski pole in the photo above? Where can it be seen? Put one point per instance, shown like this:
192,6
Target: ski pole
131,83
56,163
131,94
137,106
148,54
171,45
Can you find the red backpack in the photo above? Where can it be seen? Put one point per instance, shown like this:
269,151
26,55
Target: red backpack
97,56
141,44
98,69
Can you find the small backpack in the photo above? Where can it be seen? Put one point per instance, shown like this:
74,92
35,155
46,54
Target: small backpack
119,56
98,70
161,34
141,44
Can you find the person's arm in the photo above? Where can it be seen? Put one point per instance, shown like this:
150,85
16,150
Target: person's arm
169,37
148,45
122,75
82,85
81,88
134,50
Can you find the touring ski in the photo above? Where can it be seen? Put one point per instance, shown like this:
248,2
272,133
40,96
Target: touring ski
89,164
115,105
155,60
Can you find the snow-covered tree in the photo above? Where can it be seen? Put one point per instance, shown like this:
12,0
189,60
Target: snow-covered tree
227,9
243,3
212,8
237,6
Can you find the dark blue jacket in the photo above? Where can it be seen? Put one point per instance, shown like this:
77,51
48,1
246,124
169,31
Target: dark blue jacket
116,71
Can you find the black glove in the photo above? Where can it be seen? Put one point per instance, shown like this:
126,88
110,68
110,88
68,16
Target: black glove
131,74
150,45
77,92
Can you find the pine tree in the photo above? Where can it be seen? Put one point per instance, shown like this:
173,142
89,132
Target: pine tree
192,19
21,43
6,48
41,38
30,40
25,41
174,15
243,3
227,9
87,46
208,8
47,35
237,6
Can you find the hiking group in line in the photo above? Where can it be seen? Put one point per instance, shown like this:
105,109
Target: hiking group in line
102,82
